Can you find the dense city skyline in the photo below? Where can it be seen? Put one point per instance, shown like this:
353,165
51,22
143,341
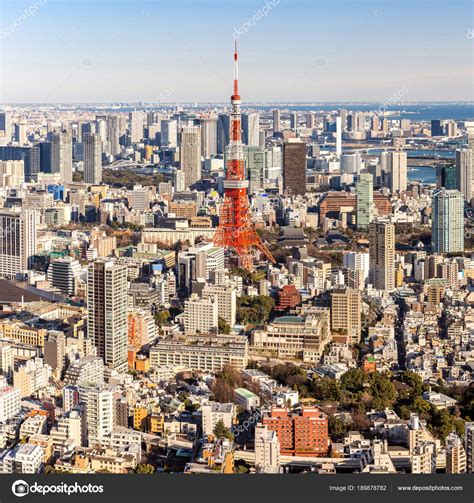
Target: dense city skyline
248,286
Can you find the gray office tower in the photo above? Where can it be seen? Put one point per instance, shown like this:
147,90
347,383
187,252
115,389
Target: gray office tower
61,155
92,158
223,132
29,155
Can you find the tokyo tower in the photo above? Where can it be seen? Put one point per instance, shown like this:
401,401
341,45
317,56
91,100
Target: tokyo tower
236,230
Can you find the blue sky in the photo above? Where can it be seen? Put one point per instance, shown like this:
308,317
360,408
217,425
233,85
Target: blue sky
303,50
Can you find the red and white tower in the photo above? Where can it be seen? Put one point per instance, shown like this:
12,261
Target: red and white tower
236,230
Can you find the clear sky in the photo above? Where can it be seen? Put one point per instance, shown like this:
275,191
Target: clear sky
181,50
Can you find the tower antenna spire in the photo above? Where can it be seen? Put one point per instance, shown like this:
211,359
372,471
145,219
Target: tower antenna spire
236,70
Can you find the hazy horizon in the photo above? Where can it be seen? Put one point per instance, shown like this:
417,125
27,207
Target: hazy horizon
302,51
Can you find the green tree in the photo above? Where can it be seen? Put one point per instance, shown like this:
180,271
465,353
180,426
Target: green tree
254,309
221,431
145,468
223,326
337,428
353,380
382,390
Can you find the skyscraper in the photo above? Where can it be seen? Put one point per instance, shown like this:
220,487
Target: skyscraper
250,129
446,175
92,158
61,155
364,200
107,308
338,137
397,165
169,133
448,221
112,146
208,136
310,120
136,119
382,256
294,166
464,172
223,132
190,154
276,120
436,128
255,167
6,125
17,241
294,120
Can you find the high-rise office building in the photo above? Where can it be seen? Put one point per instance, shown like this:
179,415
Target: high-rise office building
338,137
29,155
254,167
190,154
20,134
382,255
208,136
251,129
447,176
169,133
61,155
294,166
6,125
107,308
294,121
136,119
448,221
112,146
223,132
93,158
276,120
310,120
464,173
437,128
397,165
17,241
364,200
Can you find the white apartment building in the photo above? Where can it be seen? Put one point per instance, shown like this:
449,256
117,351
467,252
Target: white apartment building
226,301
99,406
214,412
9,403
267,450
200,315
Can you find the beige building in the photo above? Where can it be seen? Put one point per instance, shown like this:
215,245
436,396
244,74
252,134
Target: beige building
200,315
296,337
201,352
346,313
226,301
